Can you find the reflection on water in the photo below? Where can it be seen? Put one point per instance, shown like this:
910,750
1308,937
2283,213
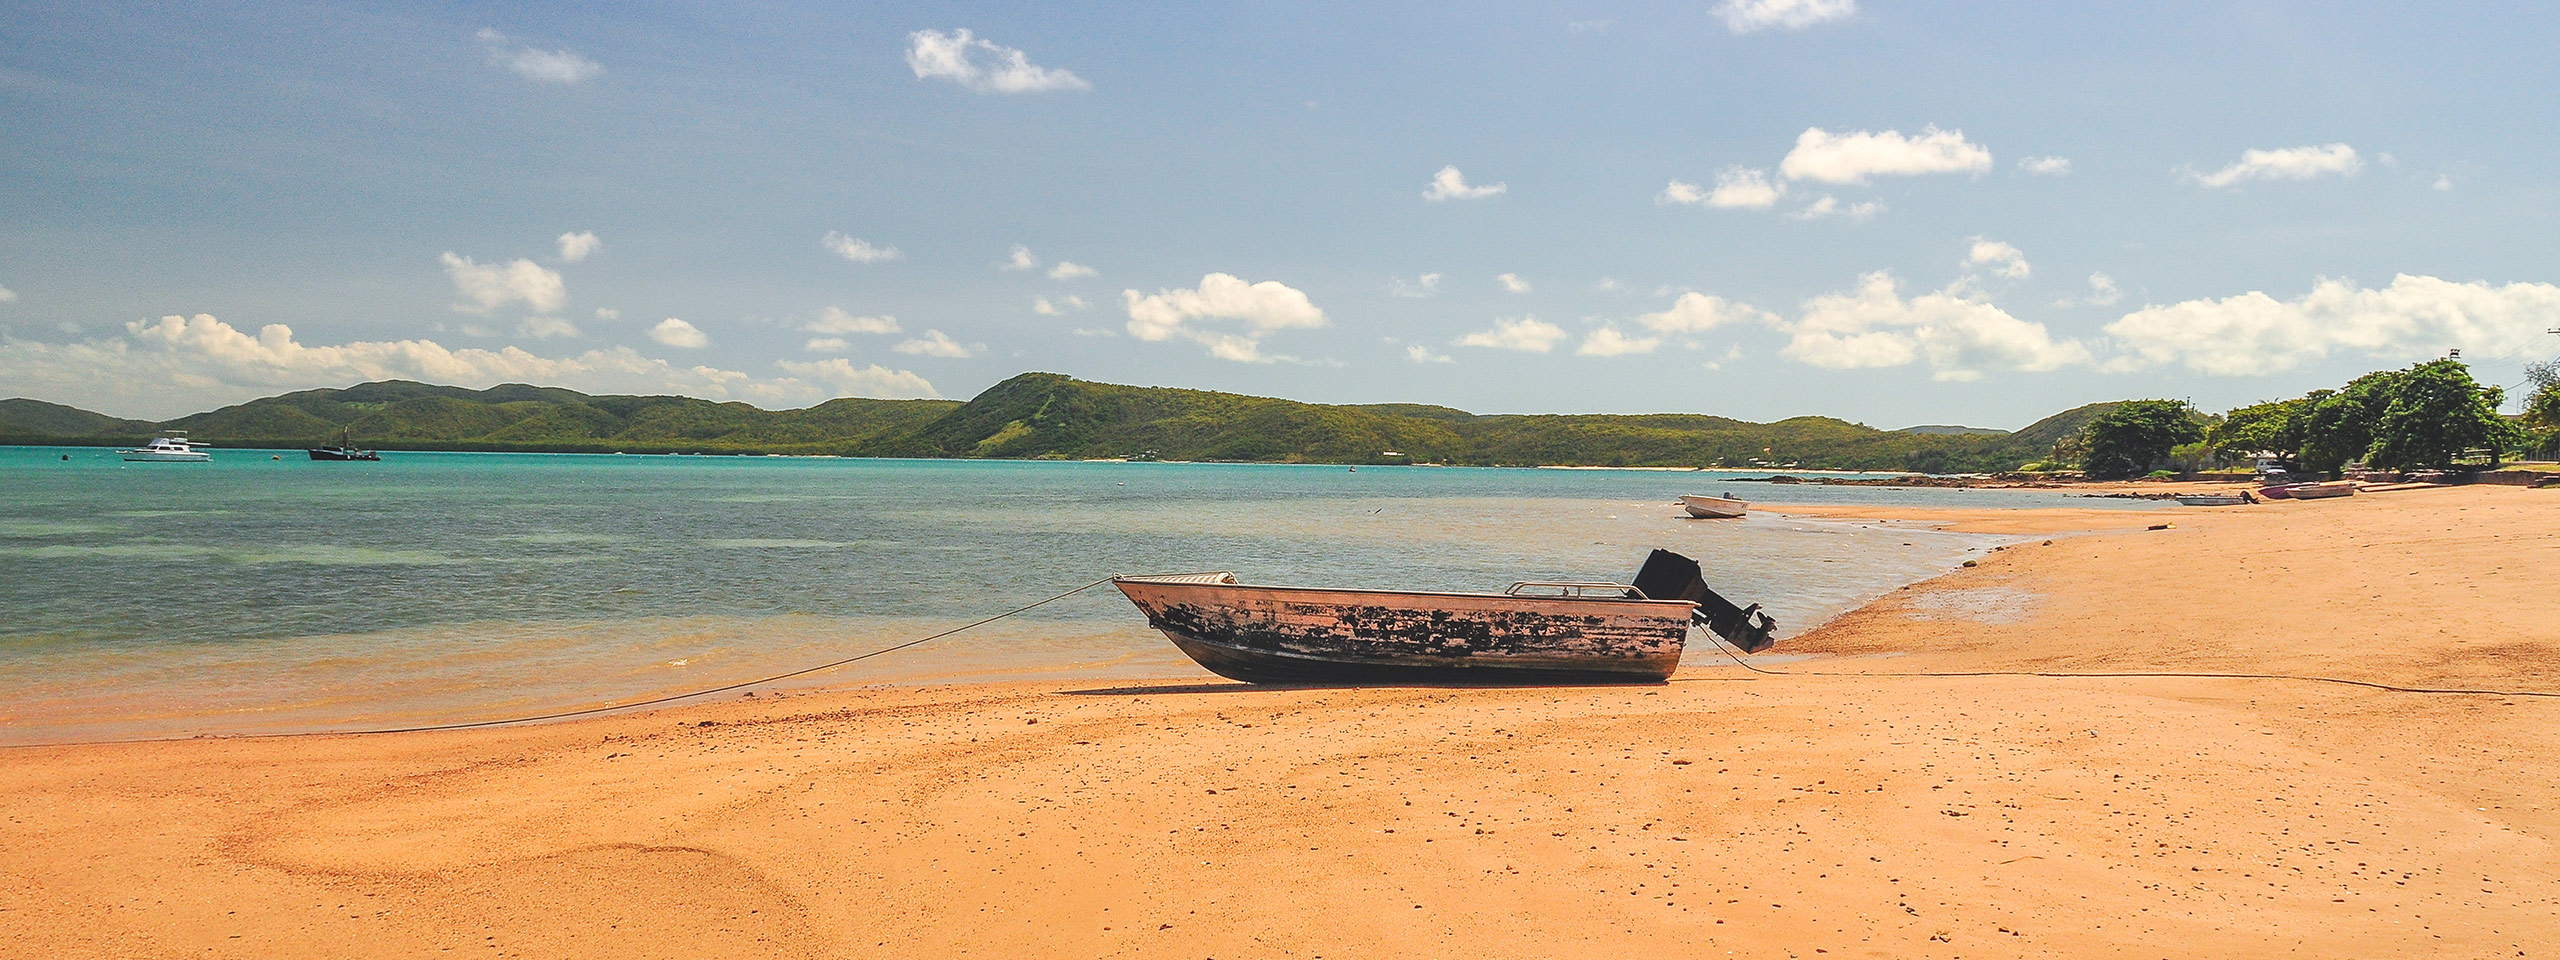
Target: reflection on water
258,595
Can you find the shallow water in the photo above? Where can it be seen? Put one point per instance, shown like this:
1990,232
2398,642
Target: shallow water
253,594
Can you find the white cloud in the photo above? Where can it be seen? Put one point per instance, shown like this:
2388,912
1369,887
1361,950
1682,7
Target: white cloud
954,56
2102,292
857,249
1070,270
608,313
1422,286
576,246
1731,353
1853,157
677,333
1513,283
1527,334
2443,183
545,328
827,345
548,66
490,286
179,365
843,379
1058,307
1959,336
1698,313
2290,163
7,295
1740,187
2001,258
2412,319
1745,16
1830,206
1020,259
1735,187
1449,184
834,320
1262,308
1606,341
935,343
1422,354
2046,166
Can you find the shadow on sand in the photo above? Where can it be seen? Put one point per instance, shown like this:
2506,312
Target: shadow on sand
1231,686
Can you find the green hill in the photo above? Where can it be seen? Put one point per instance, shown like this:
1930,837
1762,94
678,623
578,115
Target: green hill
21,417
401,415
1047,415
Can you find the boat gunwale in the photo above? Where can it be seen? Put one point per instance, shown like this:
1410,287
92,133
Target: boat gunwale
1604,601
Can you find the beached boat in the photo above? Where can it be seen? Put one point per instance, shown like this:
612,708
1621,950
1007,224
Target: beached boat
1535,632
1714,508
2321,491
345,450
2213,500
174,448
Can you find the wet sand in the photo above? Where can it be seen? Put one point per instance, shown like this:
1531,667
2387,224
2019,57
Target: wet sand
1855,816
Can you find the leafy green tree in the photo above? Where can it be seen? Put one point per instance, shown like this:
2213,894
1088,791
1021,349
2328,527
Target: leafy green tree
2436,413
2271,427
2128,440
2340,425
2542,406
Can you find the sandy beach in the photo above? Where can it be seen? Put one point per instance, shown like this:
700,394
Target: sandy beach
1844,809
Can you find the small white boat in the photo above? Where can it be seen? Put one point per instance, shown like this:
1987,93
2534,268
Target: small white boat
1714,508
2213,500
174,448
2321,491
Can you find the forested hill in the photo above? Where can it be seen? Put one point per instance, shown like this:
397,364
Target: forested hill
1045,415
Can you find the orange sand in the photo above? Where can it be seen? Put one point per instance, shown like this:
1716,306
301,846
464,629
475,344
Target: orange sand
1725,812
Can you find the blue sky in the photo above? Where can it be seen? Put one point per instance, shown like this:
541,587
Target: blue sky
1893,213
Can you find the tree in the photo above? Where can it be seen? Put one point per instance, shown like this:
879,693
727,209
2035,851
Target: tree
2271,427
2542,406
2128,440
2435,413
2340,425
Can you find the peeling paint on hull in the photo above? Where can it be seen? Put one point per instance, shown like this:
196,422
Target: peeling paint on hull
1305,635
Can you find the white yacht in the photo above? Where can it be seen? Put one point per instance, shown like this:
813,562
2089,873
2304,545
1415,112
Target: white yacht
174,448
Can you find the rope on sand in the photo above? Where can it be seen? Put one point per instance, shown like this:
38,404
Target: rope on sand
651,702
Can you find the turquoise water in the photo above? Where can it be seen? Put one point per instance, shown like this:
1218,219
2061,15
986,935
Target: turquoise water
261,594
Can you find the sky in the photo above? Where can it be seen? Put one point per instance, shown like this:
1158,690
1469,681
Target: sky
1893,213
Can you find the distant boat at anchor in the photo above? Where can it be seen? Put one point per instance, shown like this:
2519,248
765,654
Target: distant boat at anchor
174,448
345,450
1714,508
1578,633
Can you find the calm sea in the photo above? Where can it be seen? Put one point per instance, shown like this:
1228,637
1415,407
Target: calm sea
264,592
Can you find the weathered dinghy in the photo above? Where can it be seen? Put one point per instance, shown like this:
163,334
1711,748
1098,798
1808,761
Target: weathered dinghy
1535,632
1704,507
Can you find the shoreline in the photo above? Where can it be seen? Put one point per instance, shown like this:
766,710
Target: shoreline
1832,809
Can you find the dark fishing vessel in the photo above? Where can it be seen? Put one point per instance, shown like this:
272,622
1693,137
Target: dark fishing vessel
345,450
1535,632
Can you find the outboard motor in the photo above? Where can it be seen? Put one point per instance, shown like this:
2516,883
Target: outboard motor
1670,576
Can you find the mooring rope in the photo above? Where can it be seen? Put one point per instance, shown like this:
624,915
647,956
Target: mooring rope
610,708
2301,678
